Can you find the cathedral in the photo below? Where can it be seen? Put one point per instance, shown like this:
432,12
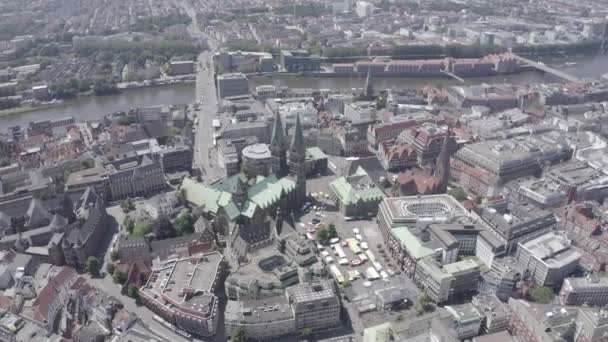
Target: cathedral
245,210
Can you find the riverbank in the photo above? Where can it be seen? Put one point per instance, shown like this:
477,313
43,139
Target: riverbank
28,108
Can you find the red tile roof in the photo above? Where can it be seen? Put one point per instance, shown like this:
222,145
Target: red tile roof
49,293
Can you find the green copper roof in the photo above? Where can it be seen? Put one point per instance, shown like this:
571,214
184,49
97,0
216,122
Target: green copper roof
264,193
201,195
411,243
267,191
347,191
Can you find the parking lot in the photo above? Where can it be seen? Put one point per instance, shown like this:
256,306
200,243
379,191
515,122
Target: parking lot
356,238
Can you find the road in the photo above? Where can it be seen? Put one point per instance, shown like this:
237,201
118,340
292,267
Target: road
204,151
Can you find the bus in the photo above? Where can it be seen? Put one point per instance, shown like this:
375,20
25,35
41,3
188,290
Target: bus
352,244
371,274
339,251
377,265
370,255
336,272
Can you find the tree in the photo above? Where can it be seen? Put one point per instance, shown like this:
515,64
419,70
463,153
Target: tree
119,277
142,229
322,235
132,291
423,305
114,255
129,225
110,268
238,334
184,224
92,265
543,295
331,231
458,193
162,228
306,332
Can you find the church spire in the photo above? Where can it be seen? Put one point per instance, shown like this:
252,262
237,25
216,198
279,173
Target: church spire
278,149
369,88
443,162
297,144
297,163
278,139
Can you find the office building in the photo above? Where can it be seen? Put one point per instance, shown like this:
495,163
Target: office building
175,158
395,212
299,61
364,9
260,319
182,292
466,319
548,258
484,168
316,305
590,290
510,222
495,314
238,130
178,68
532,322
447,282
235,84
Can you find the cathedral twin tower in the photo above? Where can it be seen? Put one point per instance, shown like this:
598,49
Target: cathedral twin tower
295,167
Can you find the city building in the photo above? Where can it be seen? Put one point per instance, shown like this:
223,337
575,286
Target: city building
510,222
495,314
392,128
177,68
96,177
590,290
532,322
467,320
235,84
41,92
137,176
182,292
427,140
81,242
484,168
548,258
256,160
364,9
260,319
175,158
396,212
356,195
396,156
299,60
315,305
239,130
447,282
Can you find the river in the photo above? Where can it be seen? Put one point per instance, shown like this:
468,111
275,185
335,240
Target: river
91,108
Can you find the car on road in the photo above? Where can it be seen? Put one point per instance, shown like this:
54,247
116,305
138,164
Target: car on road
315,220
334,240
356,231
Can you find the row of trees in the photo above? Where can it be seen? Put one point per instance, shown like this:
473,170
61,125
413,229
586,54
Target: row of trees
167,48
158,24
8,103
